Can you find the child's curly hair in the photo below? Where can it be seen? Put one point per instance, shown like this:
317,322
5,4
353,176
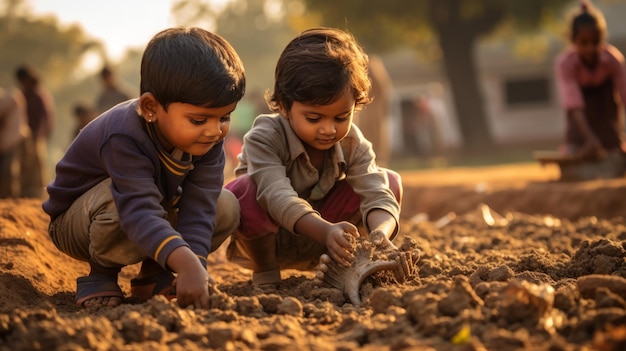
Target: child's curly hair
317,66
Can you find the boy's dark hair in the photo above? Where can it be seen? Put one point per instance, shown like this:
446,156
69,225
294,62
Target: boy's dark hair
317,66
193,66
588,17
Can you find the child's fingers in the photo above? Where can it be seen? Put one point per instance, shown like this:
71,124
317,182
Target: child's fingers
202,301
351,229
210,280
341,255
345,243
377,237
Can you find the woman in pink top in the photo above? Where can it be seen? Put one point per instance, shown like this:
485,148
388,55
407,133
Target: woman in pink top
591,85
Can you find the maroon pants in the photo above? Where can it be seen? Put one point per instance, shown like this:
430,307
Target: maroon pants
340,204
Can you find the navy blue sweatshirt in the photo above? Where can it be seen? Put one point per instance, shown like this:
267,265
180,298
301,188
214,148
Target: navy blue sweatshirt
145,181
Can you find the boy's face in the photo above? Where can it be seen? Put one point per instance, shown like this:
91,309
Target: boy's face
192,129
321,126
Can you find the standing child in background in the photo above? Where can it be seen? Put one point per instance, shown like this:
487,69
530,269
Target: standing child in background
12,125
83,115
39,106
111,94
590,75
306,175
143,181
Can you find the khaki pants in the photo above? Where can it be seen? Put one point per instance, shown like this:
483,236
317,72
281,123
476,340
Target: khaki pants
90,229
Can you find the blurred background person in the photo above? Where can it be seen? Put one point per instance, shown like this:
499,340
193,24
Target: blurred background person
12,123
83,114
39,107
112,94
374,120
591,82
416,126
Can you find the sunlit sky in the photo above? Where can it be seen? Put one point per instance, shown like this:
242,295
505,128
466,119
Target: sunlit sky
119,24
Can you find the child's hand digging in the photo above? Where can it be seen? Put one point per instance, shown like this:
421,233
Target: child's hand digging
338,243
378,238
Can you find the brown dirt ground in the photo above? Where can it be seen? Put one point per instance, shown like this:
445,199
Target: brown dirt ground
540,267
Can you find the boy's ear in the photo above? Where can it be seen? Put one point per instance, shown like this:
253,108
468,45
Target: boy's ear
283,111
148,107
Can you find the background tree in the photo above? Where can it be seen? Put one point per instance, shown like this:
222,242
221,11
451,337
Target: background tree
456,24
56,51
258,30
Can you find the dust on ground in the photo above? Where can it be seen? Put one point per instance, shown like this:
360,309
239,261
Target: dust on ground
510,260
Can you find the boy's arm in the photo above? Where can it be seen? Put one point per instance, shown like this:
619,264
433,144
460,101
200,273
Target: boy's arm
192,280
197,206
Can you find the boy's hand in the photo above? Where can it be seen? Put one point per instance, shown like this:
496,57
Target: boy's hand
338,245
192,281
192,288
380,239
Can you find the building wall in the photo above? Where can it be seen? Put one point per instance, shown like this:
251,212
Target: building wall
515,115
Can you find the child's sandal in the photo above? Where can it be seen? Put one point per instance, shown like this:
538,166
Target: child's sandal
93,286
268,280
143,289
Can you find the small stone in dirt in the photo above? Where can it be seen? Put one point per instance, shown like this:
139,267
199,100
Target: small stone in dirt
587,285
291,306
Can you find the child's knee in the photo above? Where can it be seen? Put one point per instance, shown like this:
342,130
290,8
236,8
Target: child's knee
228,212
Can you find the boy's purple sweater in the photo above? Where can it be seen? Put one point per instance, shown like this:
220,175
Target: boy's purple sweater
117,145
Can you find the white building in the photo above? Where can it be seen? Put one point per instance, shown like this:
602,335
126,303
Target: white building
520,93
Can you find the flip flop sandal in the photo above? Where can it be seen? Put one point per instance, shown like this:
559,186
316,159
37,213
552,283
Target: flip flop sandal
92,286
143,289
268,280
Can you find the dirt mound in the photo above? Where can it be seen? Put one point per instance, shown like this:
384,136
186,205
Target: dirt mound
489,278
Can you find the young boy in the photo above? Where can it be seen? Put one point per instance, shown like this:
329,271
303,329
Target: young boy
142,182
306,174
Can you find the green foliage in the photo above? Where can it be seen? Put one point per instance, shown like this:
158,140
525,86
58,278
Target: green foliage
385,25
255,28
258,30
55,51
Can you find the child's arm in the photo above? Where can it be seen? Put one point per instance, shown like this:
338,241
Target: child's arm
329,234
571,100
592,146
382,226
192,281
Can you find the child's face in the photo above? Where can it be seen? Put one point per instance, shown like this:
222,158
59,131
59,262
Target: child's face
192,129
587,43
322,126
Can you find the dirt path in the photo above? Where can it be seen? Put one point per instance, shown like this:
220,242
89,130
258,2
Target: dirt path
527,188
496,278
